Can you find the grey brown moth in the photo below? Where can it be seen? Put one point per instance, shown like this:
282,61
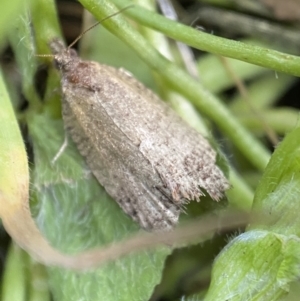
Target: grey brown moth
146,157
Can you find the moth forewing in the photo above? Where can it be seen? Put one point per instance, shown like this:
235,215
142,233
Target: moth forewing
146,157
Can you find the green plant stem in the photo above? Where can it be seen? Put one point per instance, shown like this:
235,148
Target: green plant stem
38,286
182,82
281,120
240,195
14,277
216,82
260,94
48,26
253,54
10,11
21,41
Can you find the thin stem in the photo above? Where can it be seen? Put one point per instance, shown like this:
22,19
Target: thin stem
265,57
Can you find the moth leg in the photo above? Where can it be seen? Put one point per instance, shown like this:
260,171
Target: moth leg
61,150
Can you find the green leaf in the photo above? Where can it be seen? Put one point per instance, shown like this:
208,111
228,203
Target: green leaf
278,192
263,263
76,214
10,9
257,265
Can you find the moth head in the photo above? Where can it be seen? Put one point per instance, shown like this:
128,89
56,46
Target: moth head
63,57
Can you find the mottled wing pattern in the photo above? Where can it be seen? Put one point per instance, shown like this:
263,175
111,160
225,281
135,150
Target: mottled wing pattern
119,166
145,156
183,158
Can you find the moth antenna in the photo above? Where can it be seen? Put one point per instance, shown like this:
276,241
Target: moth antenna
44,55
97,23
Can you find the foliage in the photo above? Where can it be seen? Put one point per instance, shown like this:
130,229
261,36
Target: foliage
74,212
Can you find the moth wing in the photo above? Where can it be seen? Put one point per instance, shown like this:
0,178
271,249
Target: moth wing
181,156
117,163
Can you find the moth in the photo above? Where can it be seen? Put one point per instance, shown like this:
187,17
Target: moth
144,155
